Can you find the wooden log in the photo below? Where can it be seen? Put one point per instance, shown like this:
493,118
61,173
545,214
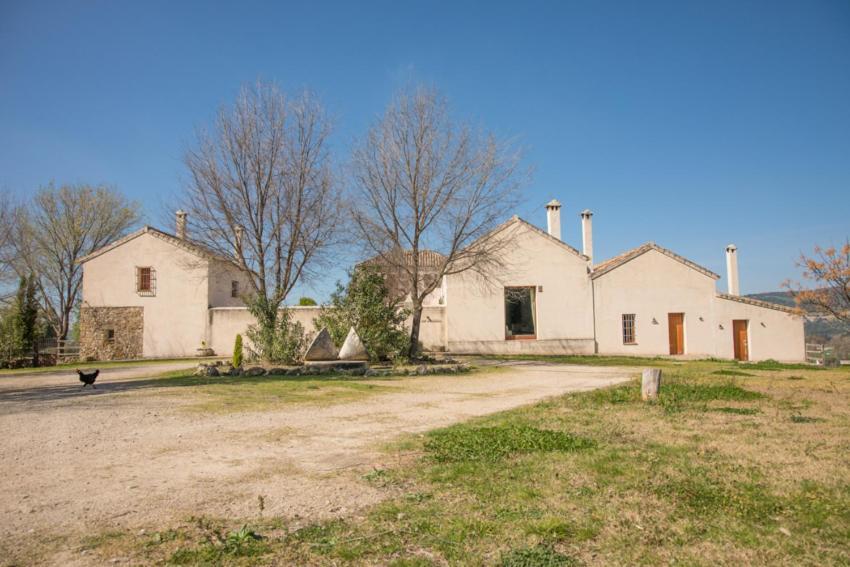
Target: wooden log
650,384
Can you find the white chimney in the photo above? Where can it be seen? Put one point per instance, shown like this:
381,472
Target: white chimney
237,244
553,218
181,224
587,234
732,269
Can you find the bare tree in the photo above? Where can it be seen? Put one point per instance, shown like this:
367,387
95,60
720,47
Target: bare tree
55,230
261,192
7,253
427,183
829,270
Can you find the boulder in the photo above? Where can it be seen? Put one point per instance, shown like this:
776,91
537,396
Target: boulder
277,371
254,371
353,348
204,370
321,348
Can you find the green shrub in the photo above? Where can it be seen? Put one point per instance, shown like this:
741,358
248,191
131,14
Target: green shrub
276,337
237,352
365,304
307,302
465,443
539,556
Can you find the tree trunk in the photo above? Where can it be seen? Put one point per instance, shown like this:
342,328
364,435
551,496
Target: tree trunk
413,352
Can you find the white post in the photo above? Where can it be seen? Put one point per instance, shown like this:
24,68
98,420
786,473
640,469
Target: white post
650,384
732,269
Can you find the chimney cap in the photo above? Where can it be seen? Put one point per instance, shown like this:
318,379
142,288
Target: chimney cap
731,248
553,204
587,213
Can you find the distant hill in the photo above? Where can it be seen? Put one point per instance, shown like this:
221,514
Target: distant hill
818,329
781,297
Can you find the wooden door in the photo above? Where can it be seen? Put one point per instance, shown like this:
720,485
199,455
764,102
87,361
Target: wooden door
741,339
676,326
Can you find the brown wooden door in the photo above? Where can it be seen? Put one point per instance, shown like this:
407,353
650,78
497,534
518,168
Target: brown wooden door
676,325
741,340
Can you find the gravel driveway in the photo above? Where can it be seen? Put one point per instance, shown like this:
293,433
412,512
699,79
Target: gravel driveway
127,455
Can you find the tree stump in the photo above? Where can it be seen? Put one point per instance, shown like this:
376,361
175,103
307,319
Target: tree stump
650,384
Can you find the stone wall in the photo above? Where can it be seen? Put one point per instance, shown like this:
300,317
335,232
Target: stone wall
111,333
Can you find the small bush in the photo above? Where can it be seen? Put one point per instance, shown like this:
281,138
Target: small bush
539,556
276,337
464,443
237,352
366,304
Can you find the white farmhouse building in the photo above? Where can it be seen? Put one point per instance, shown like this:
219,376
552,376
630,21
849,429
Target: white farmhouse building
154,294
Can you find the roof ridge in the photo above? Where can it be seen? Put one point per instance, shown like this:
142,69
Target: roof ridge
628,255
756,302
187,244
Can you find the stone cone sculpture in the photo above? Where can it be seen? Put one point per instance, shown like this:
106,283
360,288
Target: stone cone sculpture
321,348
353,348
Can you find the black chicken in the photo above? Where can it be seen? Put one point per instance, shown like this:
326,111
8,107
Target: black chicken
89,378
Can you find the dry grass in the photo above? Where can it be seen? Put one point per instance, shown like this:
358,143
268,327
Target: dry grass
725,469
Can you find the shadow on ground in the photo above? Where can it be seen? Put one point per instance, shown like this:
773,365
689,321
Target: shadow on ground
75,389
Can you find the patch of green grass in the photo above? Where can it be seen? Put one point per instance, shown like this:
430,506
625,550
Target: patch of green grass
590,360
736,411
471,443
771,364
725,372
538,556
680,395
240,543
797,418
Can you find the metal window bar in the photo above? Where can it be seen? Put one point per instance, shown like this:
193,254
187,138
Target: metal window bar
145,281
629,328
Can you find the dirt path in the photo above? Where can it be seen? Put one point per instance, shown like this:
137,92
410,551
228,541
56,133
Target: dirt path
76,461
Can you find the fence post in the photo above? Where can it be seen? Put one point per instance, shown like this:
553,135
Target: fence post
650,384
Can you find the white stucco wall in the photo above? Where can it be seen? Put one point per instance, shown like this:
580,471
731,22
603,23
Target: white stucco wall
221,276
772,333
175,318
475,307
651,286
226,322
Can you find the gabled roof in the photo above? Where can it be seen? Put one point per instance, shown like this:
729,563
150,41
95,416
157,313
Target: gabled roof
516,221
194,247
617,261
757,302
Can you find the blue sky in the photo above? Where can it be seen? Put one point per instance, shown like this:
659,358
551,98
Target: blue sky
693,124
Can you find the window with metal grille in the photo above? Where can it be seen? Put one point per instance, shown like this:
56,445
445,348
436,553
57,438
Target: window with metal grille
146,281
629,329
109,336
234,288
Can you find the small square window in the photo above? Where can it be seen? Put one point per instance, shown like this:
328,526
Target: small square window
629,329
234,288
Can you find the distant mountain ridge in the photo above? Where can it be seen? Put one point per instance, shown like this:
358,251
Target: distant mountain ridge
817,327
781,297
